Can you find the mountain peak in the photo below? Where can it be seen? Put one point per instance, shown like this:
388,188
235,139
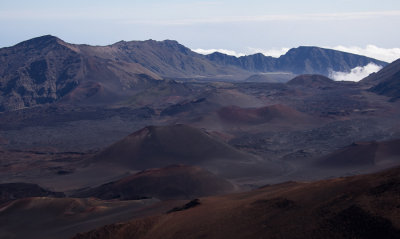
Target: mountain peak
154,44
304,50
311,60
46,39
172,44
41,42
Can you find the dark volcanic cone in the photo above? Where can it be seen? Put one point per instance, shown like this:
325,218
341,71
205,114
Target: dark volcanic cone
160,146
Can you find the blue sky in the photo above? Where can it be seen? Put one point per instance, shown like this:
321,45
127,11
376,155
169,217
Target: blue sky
243,27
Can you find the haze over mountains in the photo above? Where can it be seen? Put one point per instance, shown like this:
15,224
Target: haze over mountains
149,139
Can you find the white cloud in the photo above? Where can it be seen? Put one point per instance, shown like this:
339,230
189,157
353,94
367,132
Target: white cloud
383,54
356,74
274,52
225,51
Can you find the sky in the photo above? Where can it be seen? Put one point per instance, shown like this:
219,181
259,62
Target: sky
235,27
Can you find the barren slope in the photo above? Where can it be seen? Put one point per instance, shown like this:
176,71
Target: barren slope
172,182
159,146
353,207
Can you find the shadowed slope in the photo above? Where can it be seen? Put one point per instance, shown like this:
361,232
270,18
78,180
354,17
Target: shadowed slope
363,154
37,71
316,60
281,113
386,81
46,69
173,182
61,218
13,191
353,207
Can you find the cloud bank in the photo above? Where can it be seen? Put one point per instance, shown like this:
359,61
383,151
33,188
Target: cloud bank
356,74
383,54
225,51
274,52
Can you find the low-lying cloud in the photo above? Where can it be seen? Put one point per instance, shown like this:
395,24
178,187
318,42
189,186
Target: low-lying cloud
274,52
383,54
356,74
225,51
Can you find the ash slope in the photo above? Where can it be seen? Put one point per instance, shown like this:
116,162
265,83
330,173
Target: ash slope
158,146
62,218
354,207
172,182
13,191
363,154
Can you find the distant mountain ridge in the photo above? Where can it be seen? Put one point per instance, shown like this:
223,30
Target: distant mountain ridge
46,69
301,60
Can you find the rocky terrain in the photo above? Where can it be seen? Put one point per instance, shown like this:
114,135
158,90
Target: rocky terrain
172,182
353,207
143,135
43,217
47,69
